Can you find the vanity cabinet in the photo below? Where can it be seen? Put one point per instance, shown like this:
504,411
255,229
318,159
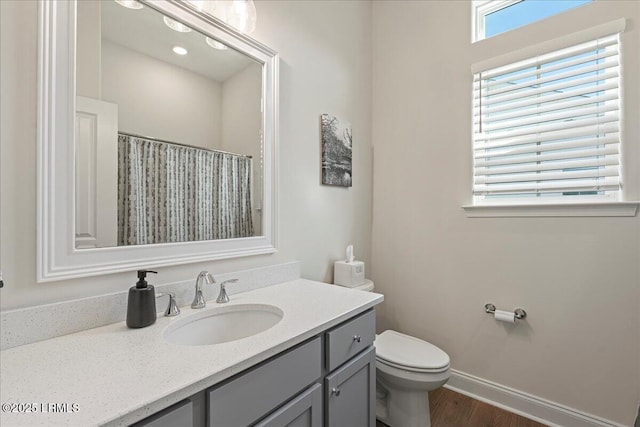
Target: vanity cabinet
328,380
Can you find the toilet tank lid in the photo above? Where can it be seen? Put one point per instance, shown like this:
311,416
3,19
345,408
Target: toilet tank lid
409,351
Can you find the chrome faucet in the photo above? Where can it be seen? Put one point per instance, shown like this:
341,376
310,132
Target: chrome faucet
223,297
198,300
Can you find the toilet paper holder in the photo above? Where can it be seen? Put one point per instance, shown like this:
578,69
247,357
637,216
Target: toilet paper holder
518,312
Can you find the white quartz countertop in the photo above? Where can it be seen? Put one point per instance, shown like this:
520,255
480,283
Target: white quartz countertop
116,376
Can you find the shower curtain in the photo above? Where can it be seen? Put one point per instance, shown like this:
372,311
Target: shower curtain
174,193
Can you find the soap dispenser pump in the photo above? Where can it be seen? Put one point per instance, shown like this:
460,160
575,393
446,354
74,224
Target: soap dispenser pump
141,307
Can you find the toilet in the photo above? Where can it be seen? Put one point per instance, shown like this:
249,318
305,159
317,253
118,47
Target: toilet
407,368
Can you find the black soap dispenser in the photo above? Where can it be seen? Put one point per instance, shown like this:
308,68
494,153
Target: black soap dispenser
141,308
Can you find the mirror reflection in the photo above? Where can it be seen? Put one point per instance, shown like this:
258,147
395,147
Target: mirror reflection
168,131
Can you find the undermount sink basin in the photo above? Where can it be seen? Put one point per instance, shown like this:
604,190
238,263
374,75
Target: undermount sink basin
223,324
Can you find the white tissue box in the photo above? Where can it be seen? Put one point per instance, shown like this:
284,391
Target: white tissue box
349,274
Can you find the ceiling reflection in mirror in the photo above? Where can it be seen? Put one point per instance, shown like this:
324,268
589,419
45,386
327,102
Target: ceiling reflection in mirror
168,132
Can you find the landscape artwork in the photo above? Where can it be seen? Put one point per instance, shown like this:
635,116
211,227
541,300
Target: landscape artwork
336,151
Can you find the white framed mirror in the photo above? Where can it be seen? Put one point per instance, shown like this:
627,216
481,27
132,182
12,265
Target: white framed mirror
157,133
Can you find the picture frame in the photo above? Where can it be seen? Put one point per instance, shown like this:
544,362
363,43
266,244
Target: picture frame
337,140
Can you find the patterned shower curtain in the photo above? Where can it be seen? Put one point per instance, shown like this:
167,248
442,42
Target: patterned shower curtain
173,193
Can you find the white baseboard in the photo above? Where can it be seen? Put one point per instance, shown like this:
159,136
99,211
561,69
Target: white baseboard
527,405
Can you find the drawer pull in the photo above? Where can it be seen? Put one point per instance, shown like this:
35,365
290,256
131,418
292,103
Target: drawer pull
335,391
357,338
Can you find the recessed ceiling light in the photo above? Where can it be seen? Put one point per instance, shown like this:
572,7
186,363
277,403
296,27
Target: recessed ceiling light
215,44
130,4
176,26
179,50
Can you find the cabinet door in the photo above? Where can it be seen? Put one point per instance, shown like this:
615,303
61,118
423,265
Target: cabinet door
350,392
178,415
304,410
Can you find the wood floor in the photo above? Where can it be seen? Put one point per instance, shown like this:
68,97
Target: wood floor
451,409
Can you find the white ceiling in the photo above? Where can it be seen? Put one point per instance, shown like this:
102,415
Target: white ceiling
144,31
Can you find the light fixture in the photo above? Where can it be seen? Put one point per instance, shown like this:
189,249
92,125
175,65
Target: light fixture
179,50
176,26
206,6
241,14
215,44
130,4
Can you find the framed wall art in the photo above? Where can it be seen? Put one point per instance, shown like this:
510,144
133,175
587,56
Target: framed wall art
337,141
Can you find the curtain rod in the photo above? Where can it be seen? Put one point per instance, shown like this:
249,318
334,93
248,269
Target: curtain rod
182,145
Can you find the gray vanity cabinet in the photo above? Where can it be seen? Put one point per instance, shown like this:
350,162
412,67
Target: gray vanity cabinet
329,380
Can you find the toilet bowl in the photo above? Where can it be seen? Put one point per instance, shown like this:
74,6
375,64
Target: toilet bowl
407,368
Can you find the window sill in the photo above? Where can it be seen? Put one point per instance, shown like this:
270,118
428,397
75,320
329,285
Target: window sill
601,209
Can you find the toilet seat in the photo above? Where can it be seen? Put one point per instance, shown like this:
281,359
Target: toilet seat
409,353
411,369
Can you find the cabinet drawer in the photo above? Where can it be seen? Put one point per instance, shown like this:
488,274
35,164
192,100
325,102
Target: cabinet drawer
349,339
249,397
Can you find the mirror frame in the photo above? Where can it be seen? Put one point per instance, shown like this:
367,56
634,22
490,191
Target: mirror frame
57,257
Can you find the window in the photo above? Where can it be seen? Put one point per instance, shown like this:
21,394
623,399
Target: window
493,17
547,127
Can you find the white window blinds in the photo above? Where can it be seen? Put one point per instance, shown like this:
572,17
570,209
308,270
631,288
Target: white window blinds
548,126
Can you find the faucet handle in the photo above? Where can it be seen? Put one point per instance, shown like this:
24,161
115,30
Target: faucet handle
223,297
208,278
172,309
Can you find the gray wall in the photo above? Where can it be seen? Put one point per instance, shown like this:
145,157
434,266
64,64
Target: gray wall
578,278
